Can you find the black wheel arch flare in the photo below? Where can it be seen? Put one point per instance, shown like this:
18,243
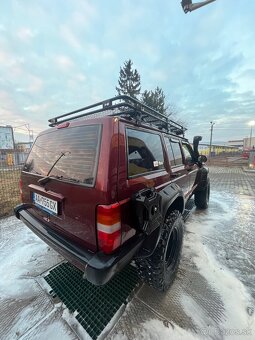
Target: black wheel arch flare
172,198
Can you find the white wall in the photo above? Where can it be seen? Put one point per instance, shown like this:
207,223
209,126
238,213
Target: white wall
247,144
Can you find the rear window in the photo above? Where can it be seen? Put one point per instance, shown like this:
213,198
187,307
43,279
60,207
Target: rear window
79,147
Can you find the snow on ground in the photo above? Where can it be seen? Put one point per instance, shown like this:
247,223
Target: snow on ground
155,329
217,295
23,304
238,303
19,249
52,327
218,246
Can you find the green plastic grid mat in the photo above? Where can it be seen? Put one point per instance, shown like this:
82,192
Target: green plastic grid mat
95,305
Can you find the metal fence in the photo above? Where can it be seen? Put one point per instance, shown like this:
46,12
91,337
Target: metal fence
11,163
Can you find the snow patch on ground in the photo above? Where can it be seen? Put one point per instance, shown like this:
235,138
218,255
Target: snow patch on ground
51,327
17,257
23,303
217,215
52,331
155,329
237,301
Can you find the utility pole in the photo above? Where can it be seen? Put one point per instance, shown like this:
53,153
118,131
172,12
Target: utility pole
210,148
30,132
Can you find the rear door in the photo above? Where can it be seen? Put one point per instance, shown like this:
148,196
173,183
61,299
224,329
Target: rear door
142,161
179,172
68,199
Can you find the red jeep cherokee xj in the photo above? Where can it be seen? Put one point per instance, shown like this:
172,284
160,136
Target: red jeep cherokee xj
108,183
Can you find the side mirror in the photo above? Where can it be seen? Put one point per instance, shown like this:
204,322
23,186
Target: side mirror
202,159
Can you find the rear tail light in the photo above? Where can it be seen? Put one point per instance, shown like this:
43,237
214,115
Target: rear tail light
108,227
20,189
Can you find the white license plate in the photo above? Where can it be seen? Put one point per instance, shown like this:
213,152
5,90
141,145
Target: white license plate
45,203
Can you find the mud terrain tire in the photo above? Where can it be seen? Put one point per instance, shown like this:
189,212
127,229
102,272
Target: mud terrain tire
160,268
202,197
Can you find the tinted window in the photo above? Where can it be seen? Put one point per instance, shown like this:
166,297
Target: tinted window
170,151
144,152
80,148
174,152
177,152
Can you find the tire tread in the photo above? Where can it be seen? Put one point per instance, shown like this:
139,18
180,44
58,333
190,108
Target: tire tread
151,270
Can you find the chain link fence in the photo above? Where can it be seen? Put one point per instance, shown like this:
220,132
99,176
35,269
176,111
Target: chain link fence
11,163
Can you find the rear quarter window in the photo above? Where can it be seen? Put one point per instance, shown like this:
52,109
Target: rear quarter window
81,147
145,153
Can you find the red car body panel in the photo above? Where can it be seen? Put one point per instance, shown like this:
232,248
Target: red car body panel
77,217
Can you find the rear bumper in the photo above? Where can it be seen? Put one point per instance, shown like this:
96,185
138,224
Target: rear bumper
98,268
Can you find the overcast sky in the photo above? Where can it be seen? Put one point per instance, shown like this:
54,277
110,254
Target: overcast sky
56,56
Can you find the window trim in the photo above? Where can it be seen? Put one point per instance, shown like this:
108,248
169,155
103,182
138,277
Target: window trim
175,167
127,162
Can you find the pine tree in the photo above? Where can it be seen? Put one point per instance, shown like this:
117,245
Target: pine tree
155,99
129,80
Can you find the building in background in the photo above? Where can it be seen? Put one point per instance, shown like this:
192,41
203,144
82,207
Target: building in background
12,153
218,150
249,143
23,146
6,138
21,151
244,144
237,143
6,145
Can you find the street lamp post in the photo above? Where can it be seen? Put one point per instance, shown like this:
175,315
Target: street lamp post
189,7
210,148
252,123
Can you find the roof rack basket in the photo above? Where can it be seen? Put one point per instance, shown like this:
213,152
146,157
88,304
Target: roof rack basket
126,107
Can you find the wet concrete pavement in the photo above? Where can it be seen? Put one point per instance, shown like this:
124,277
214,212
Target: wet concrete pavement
213,295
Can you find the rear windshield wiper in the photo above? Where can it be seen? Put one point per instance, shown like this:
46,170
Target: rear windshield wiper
46,179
